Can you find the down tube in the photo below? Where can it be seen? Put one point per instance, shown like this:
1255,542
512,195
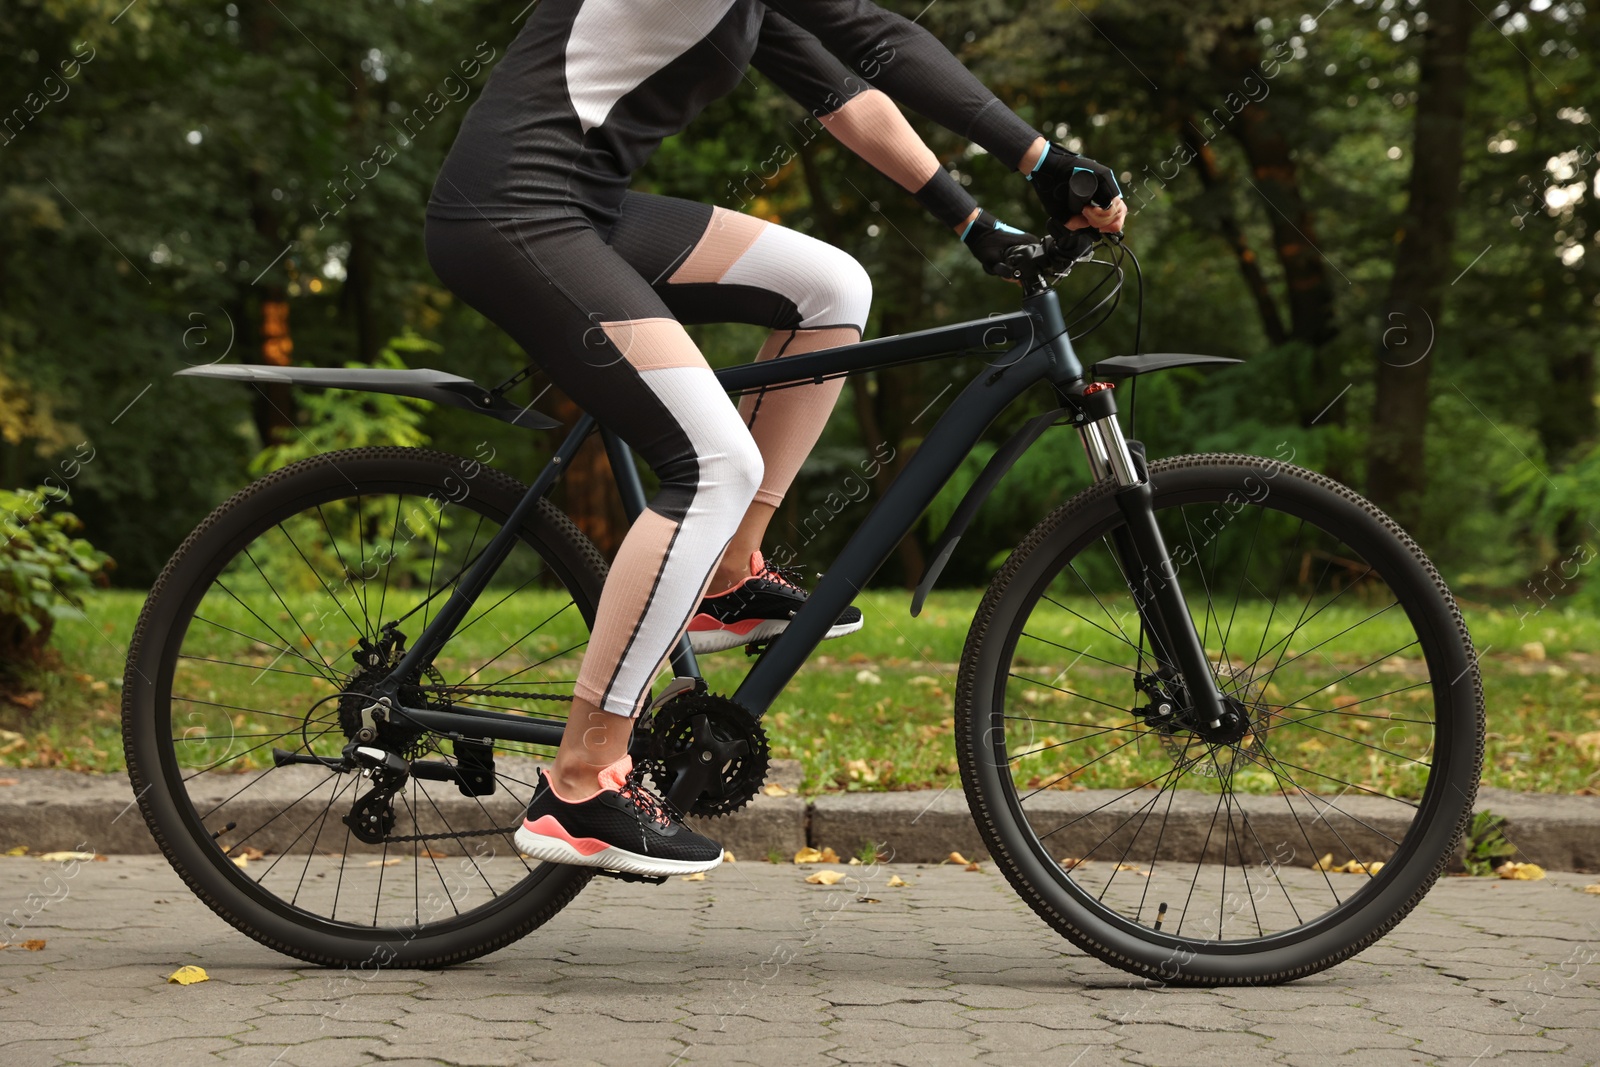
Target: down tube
941,452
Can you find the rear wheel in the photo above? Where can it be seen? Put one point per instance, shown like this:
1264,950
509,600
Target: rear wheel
1190,854
265,631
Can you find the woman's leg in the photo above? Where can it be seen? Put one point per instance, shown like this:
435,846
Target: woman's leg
605,338
713,265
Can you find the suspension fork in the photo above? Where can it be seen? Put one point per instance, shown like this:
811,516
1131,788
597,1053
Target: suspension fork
1141,550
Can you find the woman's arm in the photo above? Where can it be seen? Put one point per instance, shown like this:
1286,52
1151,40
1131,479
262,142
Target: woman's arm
860,117
911,66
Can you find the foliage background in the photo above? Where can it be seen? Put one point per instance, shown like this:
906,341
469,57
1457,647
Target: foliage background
175,173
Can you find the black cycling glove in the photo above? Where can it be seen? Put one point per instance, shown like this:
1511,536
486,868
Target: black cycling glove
990,240
1067,182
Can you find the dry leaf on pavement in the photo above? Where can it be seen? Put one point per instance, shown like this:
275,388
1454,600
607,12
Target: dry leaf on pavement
20,850
973,867
825,878
896,882
188,975
36,945
956,857
868,900
697,876
773,789
727,857
807,855
1520,872
829,856
64,857
1592,888
379,863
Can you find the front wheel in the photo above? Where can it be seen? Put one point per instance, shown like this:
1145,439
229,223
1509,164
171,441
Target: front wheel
1265,851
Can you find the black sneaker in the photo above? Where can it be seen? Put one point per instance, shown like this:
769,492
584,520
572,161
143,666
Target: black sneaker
757,609
622,827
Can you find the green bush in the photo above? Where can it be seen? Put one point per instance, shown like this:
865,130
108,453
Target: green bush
44,569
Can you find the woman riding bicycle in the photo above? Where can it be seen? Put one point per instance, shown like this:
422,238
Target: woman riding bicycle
531,222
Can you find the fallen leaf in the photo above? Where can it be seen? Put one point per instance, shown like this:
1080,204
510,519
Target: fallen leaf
102,859
973,867
1592,888
825,877
727,857
854,862
64,857
697,876
250,852
430,854
773,789
244,861
1520,872
866,677
1131,867
188,975
807,855
1589,745
1534,650
1069,862
29,700
373,863
956,857
829,856
897,882
36,945
868,900
1325,863
20,850
8,781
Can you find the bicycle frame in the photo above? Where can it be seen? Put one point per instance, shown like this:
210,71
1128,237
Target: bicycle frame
1024,348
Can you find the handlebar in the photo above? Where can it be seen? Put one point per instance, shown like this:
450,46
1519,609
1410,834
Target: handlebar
1054,255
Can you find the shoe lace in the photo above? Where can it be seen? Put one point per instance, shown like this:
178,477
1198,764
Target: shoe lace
646,801
782,575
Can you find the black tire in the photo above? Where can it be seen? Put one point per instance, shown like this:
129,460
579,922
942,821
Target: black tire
1294,917
255,525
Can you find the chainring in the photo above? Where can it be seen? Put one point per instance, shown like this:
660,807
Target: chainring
698,727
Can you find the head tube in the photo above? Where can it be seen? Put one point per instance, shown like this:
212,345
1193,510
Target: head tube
1046,311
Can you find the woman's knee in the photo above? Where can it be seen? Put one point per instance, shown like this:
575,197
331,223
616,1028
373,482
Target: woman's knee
721,472
841,288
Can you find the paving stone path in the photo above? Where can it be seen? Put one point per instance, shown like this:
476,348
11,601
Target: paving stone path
754,966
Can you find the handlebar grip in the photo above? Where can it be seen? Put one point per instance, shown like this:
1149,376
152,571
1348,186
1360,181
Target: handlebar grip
1082,185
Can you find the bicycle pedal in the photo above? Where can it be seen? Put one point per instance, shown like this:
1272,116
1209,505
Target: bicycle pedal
629,876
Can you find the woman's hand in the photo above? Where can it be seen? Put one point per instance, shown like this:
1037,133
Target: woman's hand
1104,219
1078,192
991,240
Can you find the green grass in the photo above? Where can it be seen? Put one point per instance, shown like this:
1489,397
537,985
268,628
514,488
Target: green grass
874,711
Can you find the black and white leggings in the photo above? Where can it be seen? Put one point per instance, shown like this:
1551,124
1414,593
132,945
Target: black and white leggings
602,315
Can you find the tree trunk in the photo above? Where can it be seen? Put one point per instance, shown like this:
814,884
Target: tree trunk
587,489
1249,264
1396,457
1263,133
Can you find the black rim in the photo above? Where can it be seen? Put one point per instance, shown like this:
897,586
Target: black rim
467,878
1272,899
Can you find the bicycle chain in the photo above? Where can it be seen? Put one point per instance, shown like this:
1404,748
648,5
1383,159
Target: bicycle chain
511,693
407,838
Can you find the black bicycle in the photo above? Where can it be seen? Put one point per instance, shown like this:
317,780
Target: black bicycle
1218,718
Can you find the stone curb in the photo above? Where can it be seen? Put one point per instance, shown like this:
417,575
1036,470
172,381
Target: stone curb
48,810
